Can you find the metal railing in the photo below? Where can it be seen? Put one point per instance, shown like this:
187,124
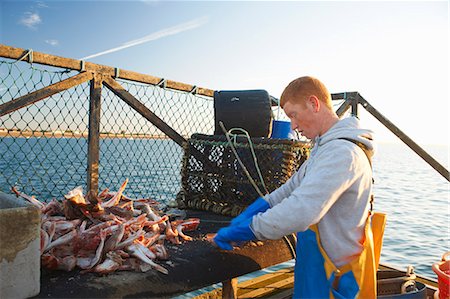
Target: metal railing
66,123
352,100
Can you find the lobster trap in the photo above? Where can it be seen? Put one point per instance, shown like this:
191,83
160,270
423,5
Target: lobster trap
212,178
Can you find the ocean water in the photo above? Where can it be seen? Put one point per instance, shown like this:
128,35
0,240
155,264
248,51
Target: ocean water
416,200
414,196
50,167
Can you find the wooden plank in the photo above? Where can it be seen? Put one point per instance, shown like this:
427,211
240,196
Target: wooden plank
408,141
266,277
94,137
266,284
229,288
273,282
271,288
284,294
74,64
118,90
43,93
214,294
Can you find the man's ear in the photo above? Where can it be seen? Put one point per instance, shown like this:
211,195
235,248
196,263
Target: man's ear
314,103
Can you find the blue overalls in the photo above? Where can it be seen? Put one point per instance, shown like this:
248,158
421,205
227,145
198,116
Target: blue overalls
317,277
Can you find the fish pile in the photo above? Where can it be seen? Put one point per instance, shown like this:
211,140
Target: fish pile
108,233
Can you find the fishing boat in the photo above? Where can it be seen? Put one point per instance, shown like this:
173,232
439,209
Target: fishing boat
99,93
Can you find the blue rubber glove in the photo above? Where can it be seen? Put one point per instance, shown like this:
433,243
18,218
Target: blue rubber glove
259,205
234,233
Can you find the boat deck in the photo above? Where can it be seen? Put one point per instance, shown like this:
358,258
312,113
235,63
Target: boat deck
279,285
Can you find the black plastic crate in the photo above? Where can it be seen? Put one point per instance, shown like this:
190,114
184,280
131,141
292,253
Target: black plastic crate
246,109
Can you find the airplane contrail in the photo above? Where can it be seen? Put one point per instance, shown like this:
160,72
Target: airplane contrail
154,36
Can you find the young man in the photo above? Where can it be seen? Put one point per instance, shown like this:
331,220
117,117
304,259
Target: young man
326,202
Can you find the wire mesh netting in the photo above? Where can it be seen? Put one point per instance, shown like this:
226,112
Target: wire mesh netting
140,151
44,146
36,156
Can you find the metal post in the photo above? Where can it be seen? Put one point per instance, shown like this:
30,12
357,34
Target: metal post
354,103
349,99
94,136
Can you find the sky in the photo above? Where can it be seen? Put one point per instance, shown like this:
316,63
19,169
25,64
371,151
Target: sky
395,54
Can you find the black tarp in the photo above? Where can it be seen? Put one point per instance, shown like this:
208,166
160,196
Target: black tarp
195,265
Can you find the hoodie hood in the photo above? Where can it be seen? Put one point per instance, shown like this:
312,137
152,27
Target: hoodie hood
348,128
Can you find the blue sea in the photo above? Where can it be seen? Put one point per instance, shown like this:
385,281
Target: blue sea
416,200
414,196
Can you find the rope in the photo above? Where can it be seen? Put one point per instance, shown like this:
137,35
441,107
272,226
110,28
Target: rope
82,65
289,244
252,151
116,72
240,161
279,107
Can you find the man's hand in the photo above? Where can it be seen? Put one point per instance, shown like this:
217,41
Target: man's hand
259,205
210,238
227,236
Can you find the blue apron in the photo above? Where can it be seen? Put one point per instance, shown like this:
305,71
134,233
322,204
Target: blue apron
315,276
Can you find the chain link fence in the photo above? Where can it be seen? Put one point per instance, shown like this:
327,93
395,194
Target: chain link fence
44,146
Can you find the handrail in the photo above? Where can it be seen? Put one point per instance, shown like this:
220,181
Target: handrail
81,65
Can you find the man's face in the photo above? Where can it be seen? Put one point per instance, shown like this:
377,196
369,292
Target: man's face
302,118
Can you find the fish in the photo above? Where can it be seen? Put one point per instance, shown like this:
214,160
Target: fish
30,199
137,251
116,198
109,233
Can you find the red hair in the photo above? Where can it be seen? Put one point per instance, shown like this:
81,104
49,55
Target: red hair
302,88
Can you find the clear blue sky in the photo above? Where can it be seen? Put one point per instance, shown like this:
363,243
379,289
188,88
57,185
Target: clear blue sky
394,53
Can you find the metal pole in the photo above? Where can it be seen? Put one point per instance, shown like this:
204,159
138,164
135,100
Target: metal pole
354,102
134,103
349,99
408,141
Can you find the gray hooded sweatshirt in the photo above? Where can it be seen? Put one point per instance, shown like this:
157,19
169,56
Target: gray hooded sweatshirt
332,189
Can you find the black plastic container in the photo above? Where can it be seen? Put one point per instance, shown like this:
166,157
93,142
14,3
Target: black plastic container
246,109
